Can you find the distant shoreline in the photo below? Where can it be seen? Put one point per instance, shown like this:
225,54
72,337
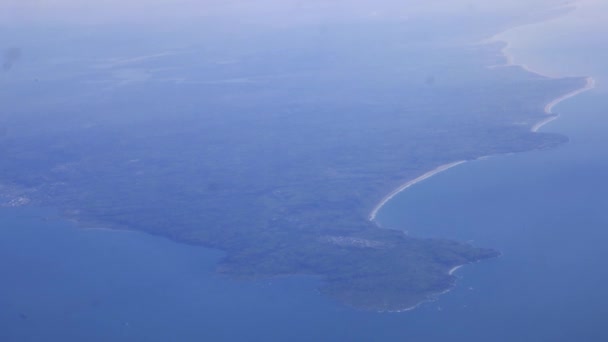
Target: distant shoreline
548,110
549,107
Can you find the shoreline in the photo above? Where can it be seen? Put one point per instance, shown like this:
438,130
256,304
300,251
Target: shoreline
430,299
549,106
510,62
588,86
429,174
454,269
548,111
510,59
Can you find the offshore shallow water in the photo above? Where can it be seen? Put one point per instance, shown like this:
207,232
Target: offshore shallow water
546,211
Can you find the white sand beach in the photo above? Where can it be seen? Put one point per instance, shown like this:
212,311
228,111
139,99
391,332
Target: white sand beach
372,215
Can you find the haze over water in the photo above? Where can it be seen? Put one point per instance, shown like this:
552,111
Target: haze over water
544,210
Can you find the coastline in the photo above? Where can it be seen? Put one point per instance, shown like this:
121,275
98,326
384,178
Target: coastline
549,107
429,174
548,111
588,86
430,299
454,269
510,61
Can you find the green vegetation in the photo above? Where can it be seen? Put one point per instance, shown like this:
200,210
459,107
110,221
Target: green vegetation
280,169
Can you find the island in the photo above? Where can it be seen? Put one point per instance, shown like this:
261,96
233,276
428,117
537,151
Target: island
282,152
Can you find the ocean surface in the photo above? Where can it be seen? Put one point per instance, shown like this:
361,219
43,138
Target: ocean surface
546,211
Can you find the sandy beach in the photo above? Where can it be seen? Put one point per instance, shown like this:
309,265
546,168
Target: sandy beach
510,61
588,86
548,109
454,269
372,215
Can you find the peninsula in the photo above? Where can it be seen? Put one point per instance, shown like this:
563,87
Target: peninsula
284,173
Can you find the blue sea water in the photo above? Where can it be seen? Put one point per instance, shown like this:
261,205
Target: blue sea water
545,210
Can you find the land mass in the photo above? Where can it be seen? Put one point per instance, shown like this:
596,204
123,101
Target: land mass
281,169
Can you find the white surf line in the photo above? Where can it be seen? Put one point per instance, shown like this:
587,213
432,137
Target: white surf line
372,215
549,107
510,61
588,86
454,269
